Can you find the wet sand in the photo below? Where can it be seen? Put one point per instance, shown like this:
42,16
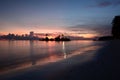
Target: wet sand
104,65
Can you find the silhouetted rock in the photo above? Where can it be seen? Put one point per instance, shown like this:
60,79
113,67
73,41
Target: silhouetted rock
115,30
104,38
116,27
57,38
62,38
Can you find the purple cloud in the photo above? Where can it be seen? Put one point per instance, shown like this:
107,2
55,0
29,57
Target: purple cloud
106,4
117,3
92,29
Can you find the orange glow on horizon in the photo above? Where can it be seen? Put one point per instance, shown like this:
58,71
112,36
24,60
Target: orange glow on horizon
51,37
25,30
53,33
88,35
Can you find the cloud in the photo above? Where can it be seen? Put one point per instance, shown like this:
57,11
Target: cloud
117,3
106,3
92,29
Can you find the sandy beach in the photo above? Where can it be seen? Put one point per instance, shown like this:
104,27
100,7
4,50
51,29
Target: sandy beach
103,65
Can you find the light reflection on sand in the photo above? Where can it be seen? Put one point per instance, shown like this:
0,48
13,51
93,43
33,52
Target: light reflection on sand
53,52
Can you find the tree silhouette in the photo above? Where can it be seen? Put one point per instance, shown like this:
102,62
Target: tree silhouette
116,27
46,37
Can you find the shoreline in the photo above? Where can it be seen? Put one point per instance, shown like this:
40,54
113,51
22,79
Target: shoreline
80,51
75,67
72,59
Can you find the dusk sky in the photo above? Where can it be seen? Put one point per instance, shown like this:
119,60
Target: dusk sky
76,17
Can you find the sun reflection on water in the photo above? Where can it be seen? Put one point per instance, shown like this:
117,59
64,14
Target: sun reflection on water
41,53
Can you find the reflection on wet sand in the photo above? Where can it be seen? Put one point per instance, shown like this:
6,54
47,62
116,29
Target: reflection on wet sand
51,55
33,60
64,51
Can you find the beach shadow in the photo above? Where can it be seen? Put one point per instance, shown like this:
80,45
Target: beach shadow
104,66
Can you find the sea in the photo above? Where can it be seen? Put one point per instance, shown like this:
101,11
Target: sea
20,54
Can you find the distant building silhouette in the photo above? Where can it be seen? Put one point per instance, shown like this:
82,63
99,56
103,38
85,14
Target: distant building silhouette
31,34
116,27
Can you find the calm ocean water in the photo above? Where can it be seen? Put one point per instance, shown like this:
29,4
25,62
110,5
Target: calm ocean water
23,54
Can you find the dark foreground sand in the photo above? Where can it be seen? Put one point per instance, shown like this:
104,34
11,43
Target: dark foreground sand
105,65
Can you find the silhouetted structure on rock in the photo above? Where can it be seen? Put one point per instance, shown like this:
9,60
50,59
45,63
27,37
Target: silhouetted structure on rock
58,38
116,27
46,38
61,38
